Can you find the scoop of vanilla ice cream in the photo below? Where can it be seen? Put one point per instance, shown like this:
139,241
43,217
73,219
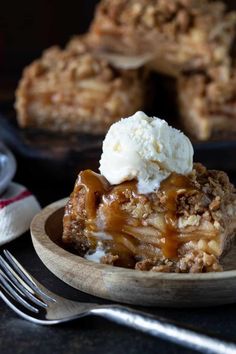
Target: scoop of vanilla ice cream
145,148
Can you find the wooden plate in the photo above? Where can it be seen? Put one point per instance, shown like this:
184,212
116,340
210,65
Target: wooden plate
125,285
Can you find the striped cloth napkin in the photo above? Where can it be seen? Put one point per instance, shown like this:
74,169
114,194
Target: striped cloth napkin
17,209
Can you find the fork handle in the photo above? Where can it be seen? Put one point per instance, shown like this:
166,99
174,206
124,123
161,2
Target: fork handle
164,329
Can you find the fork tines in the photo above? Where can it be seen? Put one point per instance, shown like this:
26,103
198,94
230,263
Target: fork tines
18,288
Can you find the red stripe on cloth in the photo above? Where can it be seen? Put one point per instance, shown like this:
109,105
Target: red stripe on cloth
22,195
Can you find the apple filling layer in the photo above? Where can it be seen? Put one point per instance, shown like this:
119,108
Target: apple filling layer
185,226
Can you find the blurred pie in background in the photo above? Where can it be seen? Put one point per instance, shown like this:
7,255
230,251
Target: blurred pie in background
73,90
181,35
187,39
101,76
207,102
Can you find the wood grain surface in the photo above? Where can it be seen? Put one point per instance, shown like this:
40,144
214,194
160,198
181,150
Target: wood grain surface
125,285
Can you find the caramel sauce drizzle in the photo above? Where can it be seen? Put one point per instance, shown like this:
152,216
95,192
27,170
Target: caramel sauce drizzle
95,186
103,205
171,187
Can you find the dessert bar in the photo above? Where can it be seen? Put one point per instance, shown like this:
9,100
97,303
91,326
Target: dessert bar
72,90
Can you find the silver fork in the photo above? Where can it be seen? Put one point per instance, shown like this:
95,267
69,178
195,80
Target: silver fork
32,301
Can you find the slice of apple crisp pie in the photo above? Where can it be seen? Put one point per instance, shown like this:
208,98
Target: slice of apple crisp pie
207,102
180,34
73,90
185,222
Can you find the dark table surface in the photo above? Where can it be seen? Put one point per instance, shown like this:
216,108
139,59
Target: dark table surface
92,335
